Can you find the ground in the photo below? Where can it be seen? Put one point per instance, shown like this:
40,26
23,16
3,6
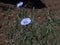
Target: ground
9,12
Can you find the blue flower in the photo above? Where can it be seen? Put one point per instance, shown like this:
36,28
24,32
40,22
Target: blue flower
25,21
19,4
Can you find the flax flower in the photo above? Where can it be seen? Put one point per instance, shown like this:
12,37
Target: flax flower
25,21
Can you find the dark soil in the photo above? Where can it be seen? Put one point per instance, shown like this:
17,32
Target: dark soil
9,12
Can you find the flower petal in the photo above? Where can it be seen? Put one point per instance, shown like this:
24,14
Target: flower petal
19,4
